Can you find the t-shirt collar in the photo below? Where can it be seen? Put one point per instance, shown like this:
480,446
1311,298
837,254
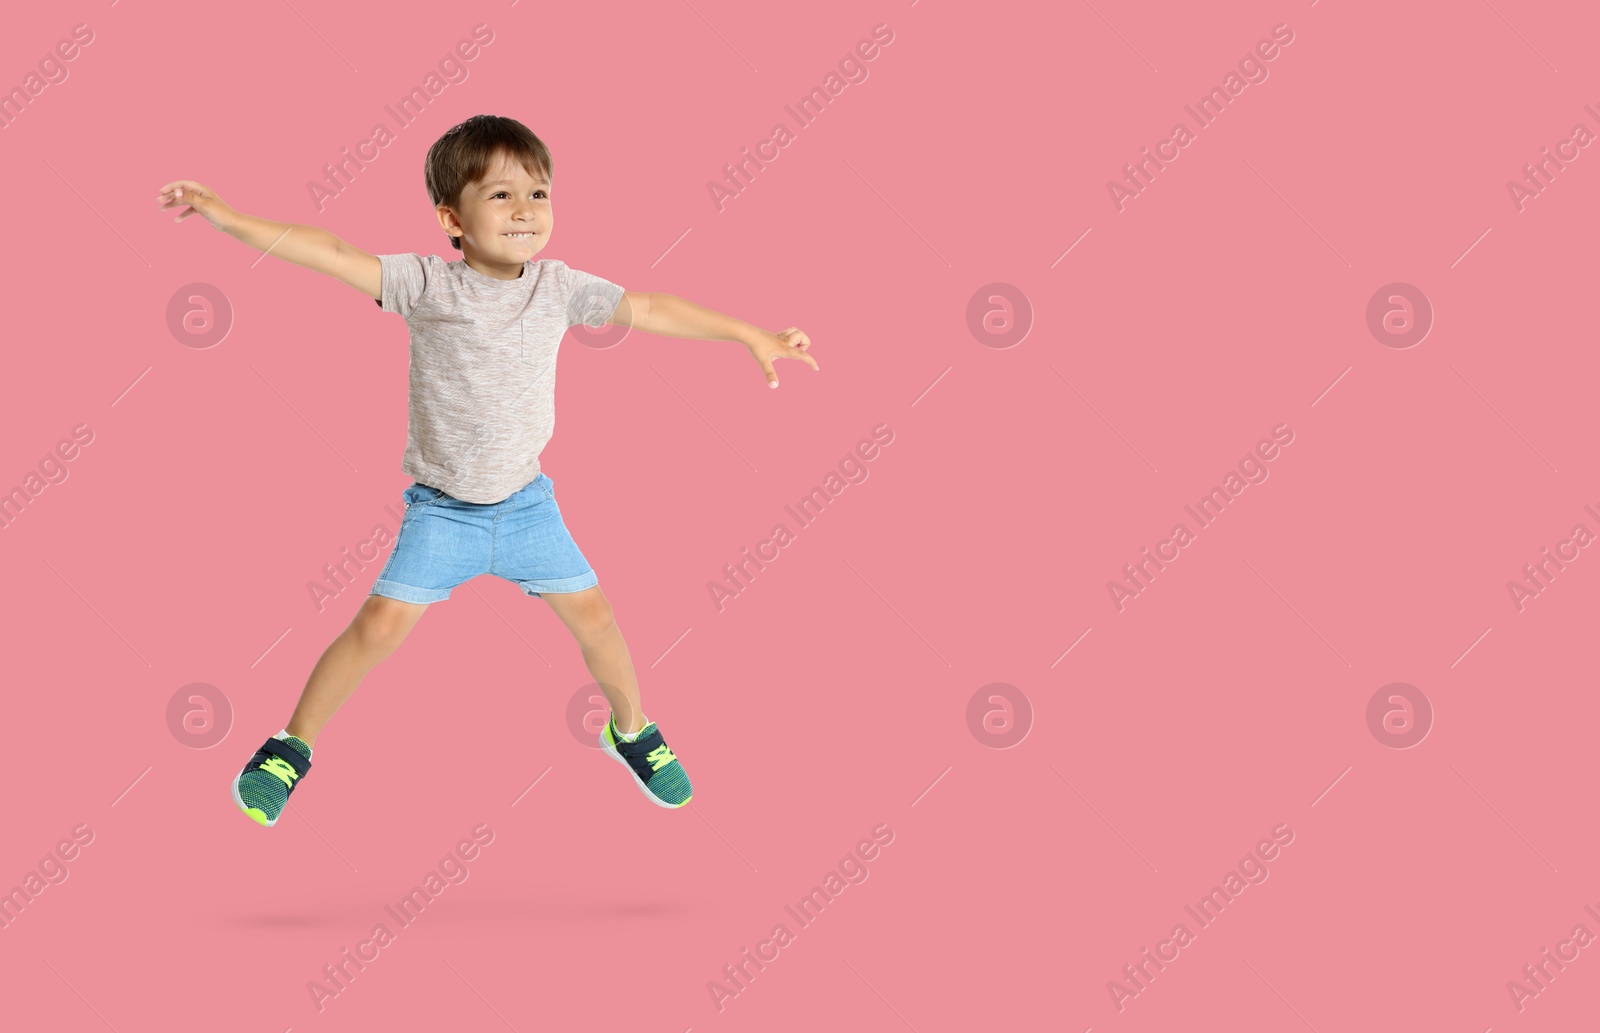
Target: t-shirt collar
489,281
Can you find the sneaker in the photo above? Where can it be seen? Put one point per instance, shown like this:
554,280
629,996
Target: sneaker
262,789
653,765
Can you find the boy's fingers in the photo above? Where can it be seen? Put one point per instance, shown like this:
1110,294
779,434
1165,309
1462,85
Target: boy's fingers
184,190
798,350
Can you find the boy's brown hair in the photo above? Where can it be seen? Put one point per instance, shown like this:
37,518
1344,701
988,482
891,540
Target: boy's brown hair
464,153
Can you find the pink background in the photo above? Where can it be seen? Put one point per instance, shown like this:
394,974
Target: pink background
832,695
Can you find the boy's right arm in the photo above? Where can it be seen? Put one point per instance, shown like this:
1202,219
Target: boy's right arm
310,246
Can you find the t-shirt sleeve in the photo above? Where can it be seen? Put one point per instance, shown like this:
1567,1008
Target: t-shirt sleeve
590,299
405,278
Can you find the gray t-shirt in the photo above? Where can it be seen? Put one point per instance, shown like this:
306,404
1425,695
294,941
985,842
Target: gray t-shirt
483,366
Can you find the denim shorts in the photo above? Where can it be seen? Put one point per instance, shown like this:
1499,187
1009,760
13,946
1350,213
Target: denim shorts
444,541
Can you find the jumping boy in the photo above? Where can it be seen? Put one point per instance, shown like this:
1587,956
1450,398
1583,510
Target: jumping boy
484,334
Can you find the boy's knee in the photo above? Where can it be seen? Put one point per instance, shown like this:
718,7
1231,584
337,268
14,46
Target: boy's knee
593,616
383,623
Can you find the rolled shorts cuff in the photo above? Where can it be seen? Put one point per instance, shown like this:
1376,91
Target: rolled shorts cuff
587,579
409,594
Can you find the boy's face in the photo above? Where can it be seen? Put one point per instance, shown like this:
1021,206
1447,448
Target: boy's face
505,218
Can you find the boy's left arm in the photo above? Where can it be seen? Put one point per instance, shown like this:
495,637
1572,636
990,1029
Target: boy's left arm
672,316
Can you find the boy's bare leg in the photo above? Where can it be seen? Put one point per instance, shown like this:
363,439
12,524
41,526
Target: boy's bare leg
587,614
375,631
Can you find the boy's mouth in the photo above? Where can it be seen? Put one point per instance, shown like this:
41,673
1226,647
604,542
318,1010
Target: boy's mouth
523,235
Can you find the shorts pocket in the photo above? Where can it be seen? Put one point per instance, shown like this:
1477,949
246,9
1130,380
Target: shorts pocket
421,495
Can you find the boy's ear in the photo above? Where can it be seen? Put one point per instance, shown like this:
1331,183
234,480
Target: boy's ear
446,217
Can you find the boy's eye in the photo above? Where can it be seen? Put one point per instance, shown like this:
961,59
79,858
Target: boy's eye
502,193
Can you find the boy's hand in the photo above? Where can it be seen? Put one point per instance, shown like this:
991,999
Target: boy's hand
198,198
790,344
